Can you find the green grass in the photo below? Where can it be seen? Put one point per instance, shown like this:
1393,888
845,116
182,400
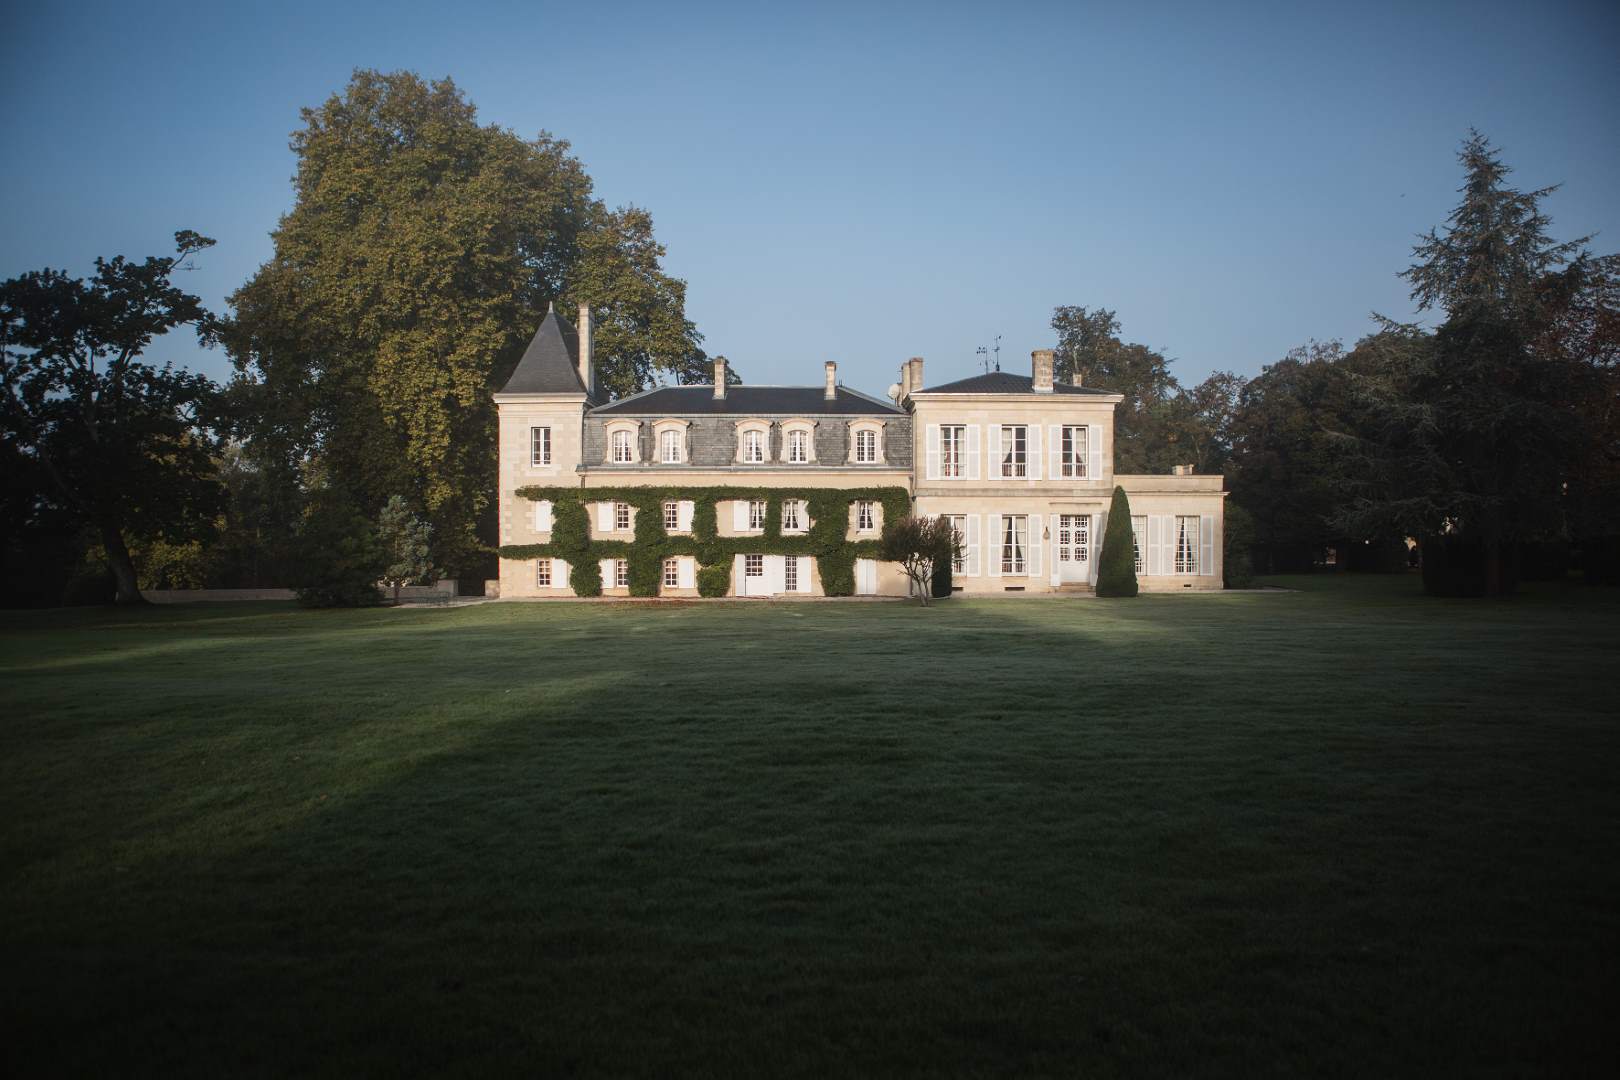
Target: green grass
1342,830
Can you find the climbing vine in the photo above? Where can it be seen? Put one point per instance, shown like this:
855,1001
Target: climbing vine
826,538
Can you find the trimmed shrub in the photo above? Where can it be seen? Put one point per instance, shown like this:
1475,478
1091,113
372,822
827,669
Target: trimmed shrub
713,580
942,578
340,559
1116,566
1237,546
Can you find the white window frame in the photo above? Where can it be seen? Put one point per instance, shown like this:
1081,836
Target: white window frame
1075,452
865,515
621,573
669,446
621,516
792,515
1013,452
1139,528
798,446
1012,546
754,566
539,446
953,451
959,526
624,446
542,573
790,574
866,442
1186,544
753,447
756,513
672,515
672,572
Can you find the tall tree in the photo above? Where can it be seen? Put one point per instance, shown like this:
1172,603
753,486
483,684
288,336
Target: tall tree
1475,437
1148,423
420,253
124,444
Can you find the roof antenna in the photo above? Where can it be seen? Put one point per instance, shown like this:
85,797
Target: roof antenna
998,352
984,358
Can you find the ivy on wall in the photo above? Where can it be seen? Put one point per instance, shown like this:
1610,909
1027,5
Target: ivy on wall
826,540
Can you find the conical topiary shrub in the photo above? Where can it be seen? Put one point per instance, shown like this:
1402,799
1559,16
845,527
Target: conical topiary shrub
1116,566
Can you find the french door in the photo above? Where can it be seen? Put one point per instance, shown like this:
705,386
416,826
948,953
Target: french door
1073,547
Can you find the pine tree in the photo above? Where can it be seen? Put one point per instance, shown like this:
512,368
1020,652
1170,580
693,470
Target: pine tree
1116,566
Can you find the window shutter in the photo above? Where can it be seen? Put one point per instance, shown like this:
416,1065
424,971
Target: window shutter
992,545
1054,452
1167,544
685,572
1094,454
1206,545
1034,558
604,517
542,516
737,579
970,558
994,465
739,515
932,435
559,574
683,517
607,572
972,471
775,574
804,572
1033,451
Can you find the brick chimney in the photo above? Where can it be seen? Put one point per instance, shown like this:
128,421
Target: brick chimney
719,377
1077,378
831,392
1041,366
915,365
587,364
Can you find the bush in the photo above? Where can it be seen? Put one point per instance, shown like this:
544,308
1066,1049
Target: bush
1237,547
1116,565
714,580
340,559
942,577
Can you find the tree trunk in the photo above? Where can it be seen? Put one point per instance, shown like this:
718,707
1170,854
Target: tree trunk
122,566
396,594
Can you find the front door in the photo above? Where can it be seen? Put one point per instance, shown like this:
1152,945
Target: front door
1073,548
865,577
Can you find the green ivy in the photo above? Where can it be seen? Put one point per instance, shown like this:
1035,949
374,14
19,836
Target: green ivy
829,515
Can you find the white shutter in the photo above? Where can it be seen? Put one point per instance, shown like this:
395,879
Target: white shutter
1206,545
970,558
542,516
932,434
1094,452
1054,452
683,518
972,470
737,579
804,572
993,462
775,574
559,574
1099,527
607,573
739,515
1033,452
604,517
992,545
685,572
1034,557
1166,561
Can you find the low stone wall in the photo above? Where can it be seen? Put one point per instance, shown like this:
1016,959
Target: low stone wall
195,596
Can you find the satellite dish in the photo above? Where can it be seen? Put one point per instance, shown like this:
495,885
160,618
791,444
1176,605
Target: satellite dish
894,391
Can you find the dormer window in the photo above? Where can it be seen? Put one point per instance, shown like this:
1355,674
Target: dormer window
865,447
669,447
623,442
798,447
866,442
753,447
623,448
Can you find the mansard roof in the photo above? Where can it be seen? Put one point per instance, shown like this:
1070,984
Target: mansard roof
742,399
550,365
1005,382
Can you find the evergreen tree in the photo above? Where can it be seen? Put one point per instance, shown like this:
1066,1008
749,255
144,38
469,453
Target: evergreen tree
1116,565
405,542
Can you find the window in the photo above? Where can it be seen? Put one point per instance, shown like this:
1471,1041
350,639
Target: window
952,450
798,447
672,573
790,515
1014,450
1014,542
865,516
1076,440
623,448
959,526
753,447
539,446
621,573
756,513
621,515
1138,530
790,573
542,573
866,447
669,447
753,566
672,515
1186,545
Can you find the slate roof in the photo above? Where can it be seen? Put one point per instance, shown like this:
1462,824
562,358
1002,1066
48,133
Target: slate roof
1005,382
699,399
550,365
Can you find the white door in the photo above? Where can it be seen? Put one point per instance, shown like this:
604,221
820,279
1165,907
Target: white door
754,580
865,577
1072,546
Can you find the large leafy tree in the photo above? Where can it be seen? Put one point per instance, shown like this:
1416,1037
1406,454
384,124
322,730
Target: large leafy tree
120,444
1473,437
420,253
1153,420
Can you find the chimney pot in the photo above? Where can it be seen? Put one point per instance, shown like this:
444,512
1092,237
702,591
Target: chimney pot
915,364
587,363
1041,370
831,392
719,377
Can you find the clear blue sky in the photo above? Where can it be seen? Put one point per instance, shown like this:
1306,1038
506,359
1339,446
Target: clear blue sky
870,182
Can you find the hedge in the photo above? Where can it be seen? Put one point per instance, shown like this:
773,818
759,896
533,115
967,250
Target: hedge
826,540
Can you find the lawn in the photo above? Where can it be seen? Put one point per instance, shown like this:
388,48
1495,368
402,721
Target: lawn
1340,830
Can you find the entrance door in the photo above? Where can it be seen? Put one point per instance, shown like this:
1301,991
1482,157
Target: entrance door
1073,548
865,577
755,582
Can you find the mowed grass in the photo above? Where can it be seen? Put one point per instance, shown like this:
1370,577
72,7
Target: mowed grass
1342,830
